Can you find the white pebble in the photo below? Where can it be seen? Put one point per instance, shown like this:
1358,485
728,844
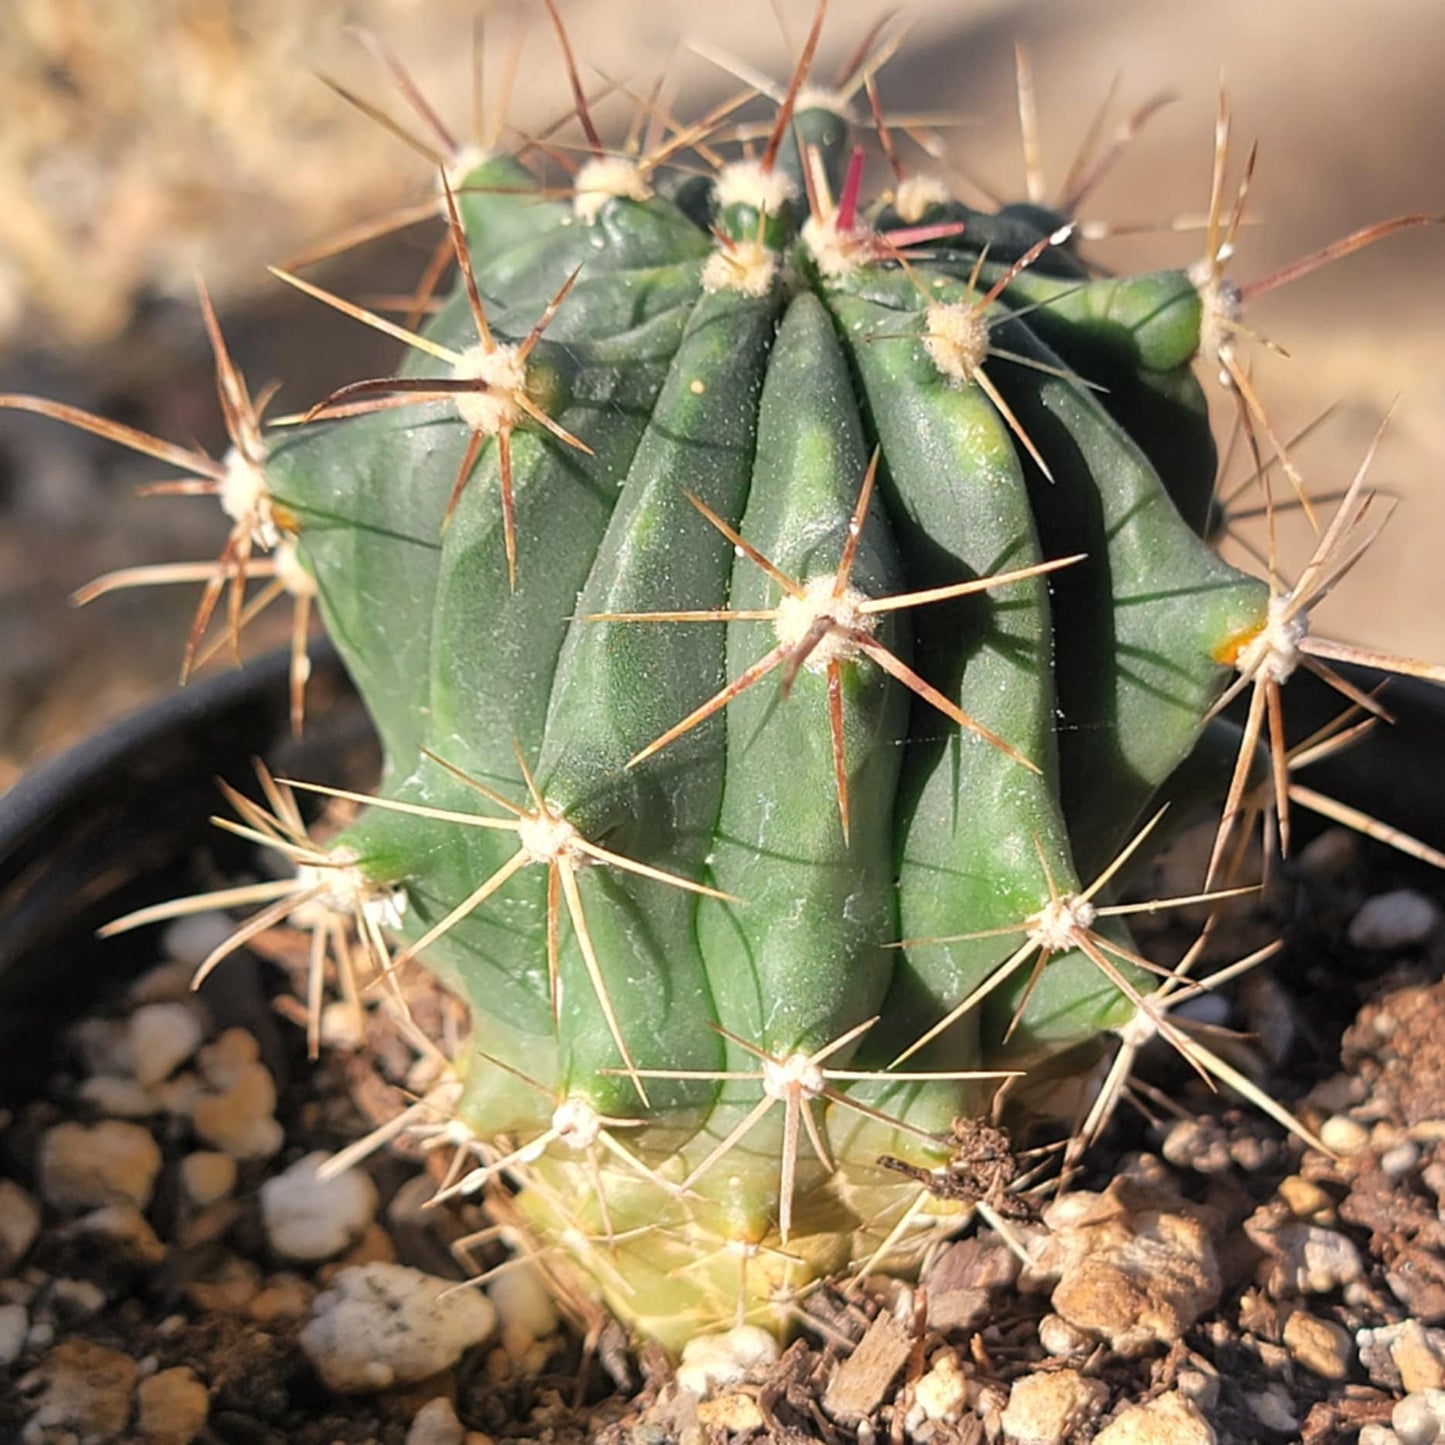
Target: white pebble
119,1097
14,1325
379,1325
1389,921
436,1423
1169,1419
1417,1418
1341,1134
523,1301
1273,1408
308,1218
163,1036
711,1361
1374,1433
191,940
113,1162
941,1394
76,1299
1051,1408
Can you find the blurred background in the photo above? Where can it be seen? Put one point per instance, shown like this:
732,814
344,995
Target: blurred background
142,144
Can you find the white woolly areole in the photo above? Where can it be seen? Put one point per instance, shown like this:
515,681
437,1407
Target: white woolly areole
797,615
602,178
917,195
956,339
289,571
1273,652
503,372
1061,921
836,253
577,1123
246,499
746,183
465,159
1139,1030
545,837
346,890
746,267
817,97
1222,310
792,1077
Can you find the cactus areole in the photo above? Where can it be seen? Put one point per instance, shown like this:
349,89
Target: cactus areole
775,610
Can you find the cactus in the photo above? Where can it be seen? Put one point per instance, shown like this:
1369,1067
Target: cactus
780,610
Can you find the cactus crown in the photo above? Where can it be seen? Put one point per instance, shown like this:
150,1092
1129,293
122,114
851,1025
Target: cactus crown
779,607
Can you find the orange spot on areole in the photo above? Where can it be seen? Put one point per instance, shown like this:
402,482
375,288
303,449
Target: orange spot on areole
1228,652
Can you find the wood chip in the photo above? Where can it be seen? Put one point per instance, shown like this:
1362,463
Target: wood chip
862,1380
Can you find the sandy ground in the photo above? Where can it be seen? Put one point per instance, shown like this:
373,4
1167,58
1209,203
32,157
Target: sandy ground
140,153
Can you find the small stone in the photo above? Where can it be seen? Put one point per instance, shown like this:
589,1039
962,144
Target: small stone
378,1325
1307,1259
113,1162
1392,921
1135,1266
1373,1346
76,1299
207,1176
941,1394
191,940
171,1407
168,982
1169,1419
711,1361
102,1045
226,1057
286,1296
1062,1340
1273,1408
14,1326
1329,856
1374,1433
1400,1159
228,1288
240,1120
19,1224
118,1097
1052,1408
1200,1387
127,1231
436,1423
1198,1144
1343,1135
163,1036
523,1301
179,1096
1418,1418
310,1218
734,1414
1321,1346
1419,1355
1306,1200
87,1390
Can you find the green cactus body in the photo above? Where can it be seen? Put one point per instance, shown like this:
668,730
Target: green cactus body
832,859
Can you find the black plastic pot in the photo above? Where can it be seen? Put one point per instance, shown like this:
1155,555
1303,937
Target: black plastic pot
122,821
